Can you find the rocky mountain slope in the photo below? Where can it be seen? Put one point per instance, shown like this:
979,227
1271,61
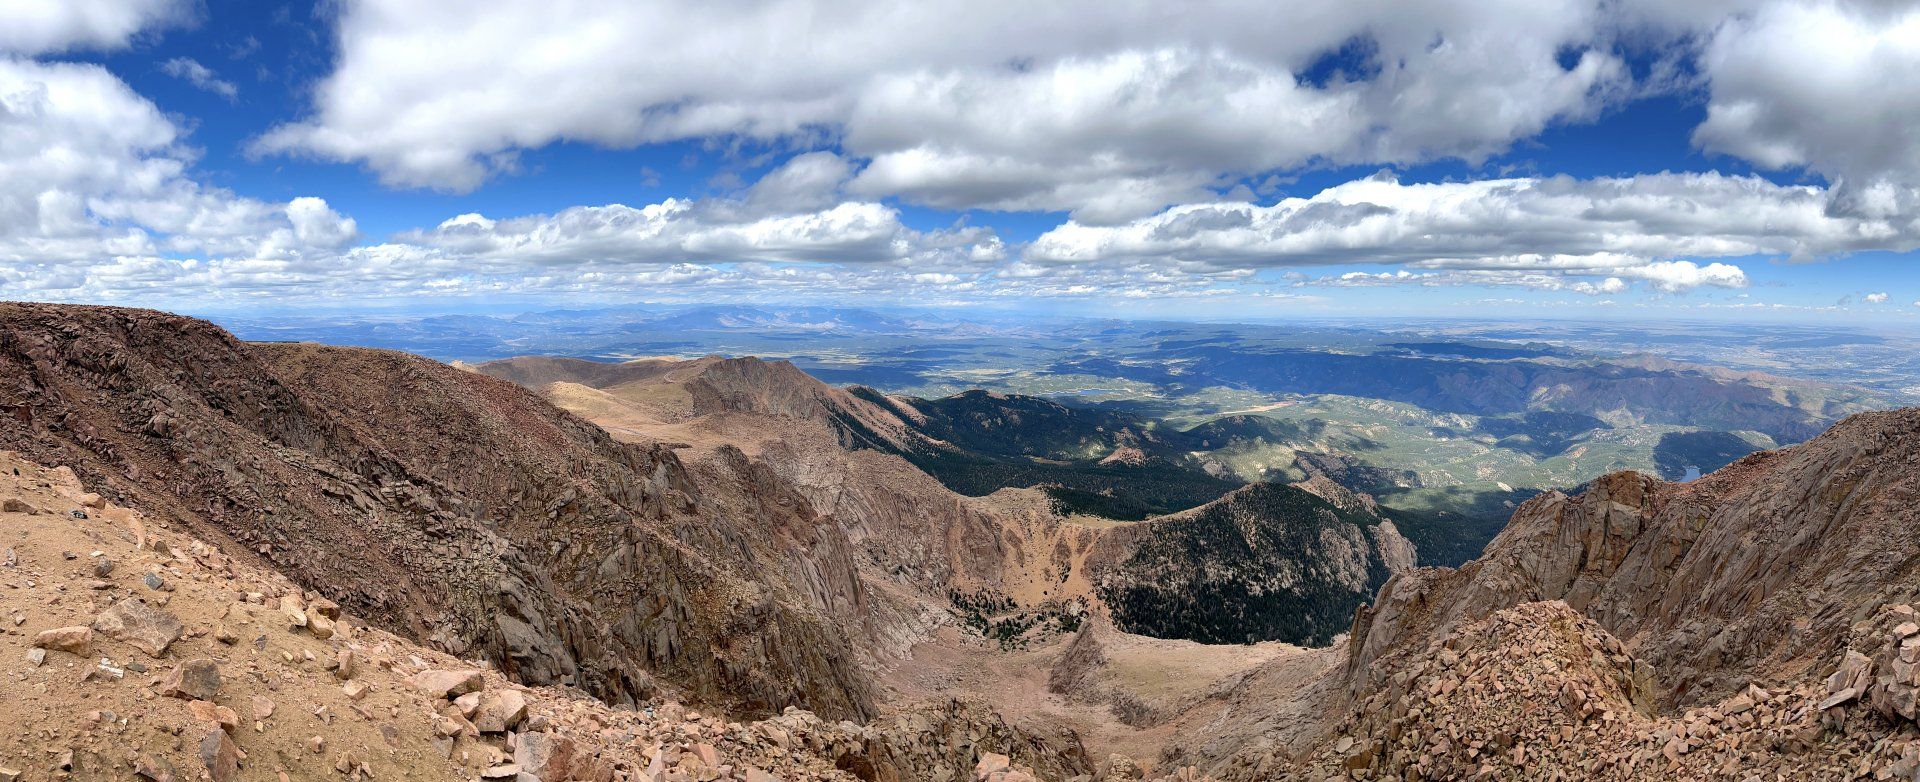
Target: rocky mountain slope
1750,571
370,535
442,505
1263,563
1267,562
137,651
1755,624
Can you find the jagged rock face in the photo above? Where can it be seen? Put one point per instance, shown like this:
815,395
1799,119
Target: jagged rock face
1747,573
439,503
1267,562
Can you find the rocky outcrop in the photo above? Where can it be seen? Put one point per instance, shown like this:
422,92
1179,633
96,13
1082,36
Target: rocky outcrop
1748,572
1267,562
1757,623
441,504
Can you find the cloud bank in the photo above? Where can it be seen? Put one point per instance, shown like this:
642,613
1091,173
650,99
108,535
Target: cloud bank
1152,128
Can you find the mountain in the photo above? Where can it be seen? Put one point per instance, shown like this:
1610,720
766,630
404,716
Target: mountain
1740,573
1756,621
1011,560
734,536
442,505
1107,463
156,656
1266,562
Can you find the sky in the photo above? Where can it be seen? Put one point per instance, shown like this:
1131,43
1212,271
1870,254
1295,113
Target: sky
1736,159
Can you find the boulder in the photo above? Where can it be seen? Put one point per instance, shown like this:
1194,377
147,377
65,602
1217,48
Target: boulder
196,679
448,684
545,755
141,626
500,711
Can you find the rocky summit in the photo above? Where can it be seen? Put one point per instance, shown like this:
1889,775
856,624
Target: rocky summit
228,560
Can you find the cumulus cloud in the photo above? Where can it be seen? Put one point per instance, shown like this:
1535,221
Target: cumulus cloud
1112,110
1633,228
714,231
1876,298
1135,119
1822,86
809,181
34,27
192,72
94,177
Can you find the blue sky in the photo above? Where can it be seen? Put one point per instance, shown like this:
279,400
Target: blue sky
1743,159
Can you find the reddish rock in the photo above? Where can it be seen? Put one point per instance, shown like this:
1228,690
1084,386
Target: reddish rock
546,756
73,640
219,754
501,711
448,684
196,679
141,626
207,711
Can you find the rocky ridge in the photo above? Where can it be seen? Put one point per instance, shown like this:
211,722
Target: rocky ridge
1750,572
155,656
1538,691
1756,624
1008,555
440,504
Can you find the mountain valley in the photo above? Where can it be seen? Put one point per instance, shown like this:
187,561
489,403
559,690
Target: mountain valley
711,554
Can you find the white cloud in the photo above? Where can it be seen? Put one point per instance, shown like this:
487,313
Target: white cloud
1631,228
1111,112
1540,281
710,231
95,182
1824,86
191,71
1679,276
1111,109
33,27
91,172
1876,298
809,181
